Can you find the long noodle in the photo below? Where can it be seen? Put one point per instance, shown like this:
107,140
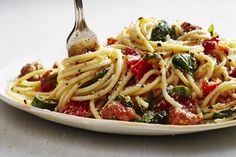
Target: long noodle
100,77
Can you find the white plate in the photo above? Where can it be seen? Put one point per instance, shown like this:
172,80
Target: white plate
8,74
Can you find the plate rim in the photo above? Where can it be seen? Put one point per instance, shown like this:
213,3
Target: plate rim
175,129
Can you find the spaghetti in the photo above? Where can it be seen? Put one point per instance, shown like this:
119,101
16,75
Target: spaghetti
153,72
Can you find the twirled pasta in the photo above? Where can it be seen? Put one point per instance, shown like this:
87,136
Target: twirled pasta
107,77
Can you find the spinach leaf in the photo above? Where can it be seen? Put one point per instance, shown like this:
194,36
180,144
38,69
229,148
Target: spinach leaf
149,56
98,76
151,100
123,100
180,90
44,103
224,113
155,117
101,74
185,63
161,31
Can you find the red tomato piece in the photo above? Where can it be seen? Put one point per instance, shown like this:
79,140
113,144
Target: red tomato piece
221,50
188,103
131,62
133,57
210,44
209,87
28,68
183,117
212,47
140,68
77,108
163,105
131,51
48,82
187,27
233,73
187,115
111,41
115,110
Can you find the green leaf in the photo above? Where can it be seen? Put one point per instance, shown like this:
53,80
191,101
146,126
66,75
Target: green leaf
149,56
180,90
211,29
101,74
44,104
224,113
151,100
155,117
185,63
98,76
123,100
161,31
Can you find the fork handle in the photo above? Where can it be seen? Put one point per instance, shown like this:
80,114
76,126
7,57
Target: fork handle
80,23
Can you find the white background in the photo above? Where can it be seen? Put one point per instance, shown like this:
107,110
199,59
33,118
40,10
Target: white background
42,26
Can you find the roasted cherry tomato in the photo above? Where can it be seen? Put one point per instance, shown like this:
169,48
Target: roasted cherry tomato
77,108
140,68
209,87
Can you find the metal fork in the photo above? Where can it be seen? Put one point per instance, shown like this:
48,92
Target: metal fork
81,39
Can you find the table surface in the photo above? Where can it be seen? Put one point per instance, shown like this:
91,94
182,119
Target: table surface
32,26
